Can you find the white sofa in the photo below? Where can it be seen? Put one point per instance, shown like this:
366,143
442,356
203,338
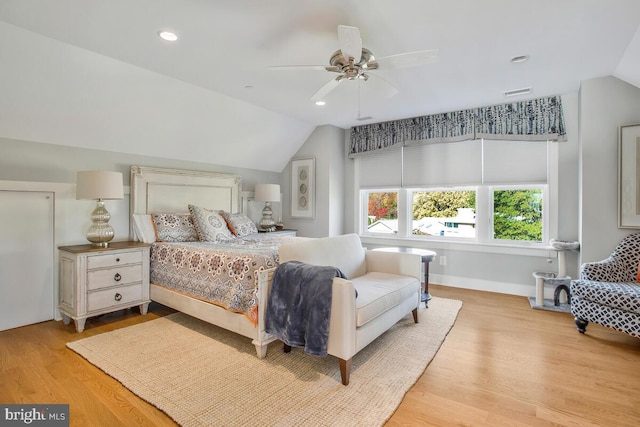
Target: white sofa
387,284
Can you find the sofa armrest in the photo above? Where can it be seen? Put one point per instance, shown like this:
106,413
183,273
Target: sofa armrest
608,270
401,263
342,324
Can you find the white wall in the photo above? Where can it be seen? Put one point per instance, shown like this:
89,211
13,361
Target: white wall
58,93
605,104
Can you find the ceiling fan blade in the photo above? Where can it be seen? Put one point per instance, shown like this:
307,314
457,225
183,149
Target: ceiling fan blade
409,59
297,67
388,89
326,88
350,42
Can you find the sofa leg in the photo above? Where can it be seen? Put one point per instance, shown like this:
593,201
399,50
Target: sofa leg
581,325
415,315
345,370
286,348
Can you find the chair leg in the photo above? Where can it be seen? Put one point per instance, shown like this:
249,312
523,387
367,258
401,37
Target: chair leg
581,325
345,370
415,315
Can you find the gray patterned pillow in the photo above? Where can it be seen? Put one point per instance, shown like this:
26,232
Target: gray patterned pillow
210,225
241,224
174,227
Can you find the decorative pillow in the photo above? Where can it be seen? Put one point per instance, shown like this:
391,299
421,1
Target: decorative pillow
174,227
241,224
229,225
210,225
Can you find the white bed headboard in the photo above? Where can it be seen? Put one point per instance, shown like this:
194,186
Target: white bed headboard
172,190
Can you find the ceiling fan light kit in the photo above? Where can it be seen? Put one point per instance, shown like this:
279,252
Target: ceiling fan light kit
354,62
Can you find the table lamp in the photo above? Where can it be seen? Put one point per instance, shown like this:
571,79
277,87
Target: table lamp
99,186
267,193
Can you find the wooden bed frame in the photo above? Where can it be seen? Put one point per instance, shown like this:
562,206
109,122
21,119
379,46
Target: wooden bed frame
172,190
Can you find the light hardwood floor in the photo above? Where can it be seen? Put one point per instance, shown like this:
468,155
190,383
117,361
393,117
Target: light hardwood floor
502,364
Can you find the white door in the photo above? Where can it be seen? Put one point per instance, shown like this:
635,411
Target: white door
26,258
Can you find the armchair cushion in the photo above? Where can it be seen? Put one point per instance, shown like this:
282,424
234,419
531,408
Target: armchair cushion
379,292
622,296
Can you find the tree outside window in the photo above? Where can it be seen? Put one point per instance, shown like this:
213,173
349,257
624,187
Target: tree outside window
517,215
444,213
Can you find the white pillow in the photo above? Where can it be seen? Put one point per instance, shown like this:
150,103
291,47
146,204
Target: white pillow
143,228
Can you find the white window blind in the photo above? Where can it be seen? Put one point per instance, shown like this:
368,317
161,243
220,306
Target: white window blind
446,164
383,169
474,162
515,162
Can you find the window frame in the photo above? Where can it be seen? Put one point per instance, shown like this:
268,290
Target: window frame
484,240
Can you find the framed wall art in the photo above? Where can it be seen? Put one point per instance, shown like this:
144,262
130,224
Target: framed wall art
629,176
303,187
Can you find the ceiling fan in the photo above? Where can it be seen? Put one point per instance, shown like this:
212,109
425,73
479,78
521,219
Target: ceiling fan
354,62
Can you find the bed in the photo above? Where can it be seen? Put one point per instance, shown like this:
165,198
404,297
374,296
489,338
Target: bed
223,283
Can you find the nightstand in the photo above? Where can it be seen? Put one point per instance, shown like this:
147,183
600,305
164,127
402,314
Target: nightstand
283,232
96,281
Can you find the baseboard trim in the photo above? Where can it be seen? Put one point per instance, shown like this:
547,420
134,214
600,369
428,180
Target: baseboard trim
520,289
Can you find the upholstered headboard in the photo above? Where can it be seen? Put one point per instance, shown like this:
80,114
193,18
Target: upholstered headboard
172,190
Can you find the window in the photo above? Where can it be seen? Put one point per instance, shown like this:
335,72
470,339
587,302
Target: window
517,214
382,212
450,213
491,192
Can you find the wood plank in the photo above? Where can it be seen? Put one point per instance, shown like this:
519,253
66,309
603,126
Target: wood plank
502,364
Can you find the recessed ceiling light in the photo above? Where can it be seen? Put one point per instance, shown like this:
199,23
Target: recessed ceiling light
167,35
517,92
320,103
520,58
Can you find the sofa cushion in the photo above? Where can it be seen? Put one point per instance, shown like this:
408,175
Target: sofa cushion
622,296
379,292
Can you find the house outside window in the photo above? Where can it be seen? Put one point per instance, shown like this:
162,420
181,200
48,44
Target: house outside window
450,213
382,212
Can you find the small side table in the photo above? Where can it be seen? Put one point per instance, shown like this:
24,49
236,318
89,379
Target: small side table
427,257
95,281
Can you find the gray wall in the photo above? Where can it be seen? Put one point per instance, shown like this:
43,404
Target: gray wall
605,104
325,144
32,161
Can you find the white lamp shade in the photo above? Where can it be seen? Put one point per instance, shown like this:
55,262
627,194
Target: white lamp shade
94,185
267,192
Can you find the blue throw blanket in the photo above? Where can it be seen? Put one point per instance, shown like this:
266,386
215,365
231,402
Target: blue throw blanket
299,306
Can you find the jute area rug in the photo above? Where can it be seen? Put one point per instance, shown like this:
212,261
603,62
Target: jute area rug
202,375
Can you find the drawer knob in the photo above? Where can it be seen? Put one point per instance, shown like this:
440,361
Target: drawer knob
117,277
117,259
117,297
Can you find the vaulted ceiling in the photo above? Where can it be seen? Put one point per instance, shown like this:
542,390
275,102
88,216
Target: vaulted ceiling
95,74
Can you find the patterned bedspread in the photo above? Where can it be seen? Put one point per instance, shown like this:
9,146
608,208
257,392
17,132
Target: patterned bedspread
225,274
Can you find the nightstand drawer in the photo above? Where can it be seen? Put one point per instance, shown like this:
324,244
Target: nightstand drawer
113,297
111,260
97,279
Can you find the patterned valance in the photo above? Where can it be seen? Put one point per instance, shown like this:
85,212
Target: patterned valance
538,119
534,120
